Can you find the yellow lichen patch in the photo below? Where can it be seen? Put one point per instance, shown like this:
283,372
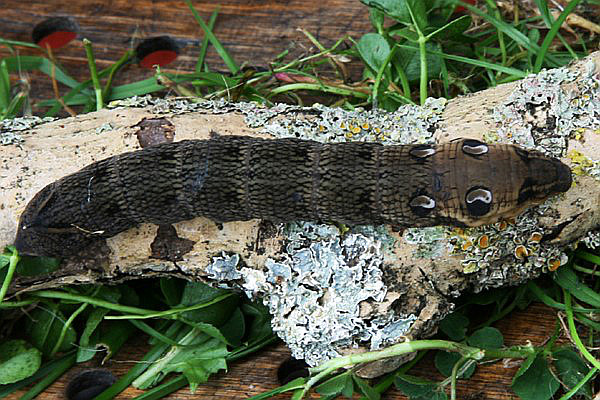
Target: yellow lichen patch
535,237
483,242
502,225
365,126
470,267
553,264
521,252
342,125
458,231
356,129
321,128
466,245
581,162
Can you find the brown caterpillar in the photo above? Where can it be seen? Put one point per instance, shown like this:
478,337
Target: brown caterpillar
230,178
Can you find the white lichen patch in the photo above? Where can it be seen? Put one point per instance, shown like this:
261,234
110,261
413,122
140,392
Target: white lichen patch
9,128
408,124
318,288
592,240
430,241
315,291
541,114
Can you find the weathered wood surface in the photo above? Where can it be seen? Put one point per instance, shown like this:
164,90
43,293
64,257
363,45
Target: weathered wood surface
258,374
254,32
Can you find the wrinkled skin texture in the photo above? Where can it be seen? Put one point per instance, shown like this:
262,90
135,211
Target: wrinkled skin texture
232,178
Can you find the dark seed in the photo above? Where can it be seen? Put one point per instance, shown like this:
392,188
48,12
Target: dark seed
88,384
160,50
55,32
291,369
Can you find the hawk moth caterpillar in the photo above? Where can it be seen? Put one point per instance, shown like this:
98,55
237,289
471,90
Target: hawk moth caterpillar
227,178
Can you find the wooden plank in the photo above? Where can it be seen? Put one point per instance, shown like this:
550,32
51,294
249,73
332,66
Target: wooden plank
253,32
258,373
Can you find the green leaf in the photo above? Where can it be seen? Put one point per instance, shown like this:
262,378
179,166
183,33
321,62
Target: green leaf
374,50
396,9
365,389
445,361
211,330
198,363
18,360
486,338
537,382
455,326
339,384
399,10
86,352
566,278
377,18
260,327
525,366
234,329
171,289
297,383
44,327
31,266
409,60
454,28
419,389
216,314
571,370
417,7
406,33
4,260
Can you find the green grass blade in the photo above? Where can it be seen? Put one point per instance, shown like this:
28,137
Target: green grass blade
59,369
9,43
4,86
568,280
123,383
89,52
478,63
552,33
28,63
205,42
587,256
231,64
511,32
164,389
135,89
